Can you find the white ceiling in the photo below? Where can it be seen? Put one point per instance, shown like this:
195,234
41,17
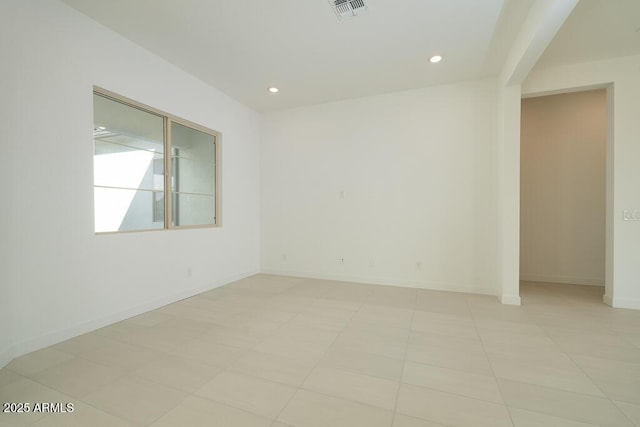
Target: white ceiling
596,29
300,46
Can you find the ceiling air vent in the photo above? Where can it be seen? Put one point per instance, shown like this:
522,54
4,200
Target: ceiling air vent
348,7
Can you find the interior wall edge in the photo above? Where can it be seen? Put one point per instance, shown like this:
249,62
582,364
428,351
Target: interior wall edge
33,344
566,280
387,281
5,357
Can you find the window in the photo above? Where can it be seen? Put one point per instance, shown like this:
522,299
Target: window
151,170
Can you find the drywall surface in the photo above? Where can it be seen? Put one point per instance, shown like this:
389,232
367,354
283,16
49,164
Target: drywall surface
66,279
562,197
6,173
397,189
621,77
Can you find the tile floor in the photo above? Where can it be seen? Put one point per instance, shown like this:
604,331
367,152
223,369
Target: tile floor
281,351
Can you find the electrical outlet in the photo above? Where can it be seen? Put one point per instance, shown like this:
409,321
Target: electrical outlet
341,260
628,215
419,265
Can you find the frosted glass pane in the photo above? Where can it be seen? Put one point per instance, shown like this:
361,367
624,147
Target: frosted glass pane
193,160
126,210
192,209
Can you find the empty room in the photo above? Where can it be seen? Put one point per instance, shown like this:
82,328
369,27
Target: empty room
320,213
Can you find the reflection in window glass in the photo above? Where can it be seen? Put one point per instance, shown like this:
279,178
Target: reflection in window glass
128,143
193,176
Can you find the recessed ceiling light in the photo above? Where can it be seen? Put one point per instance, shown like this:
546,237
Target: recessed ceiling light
436,58
273,89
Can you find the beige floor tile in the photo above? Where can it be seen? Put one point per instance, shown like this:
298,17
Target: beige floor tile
183,374
333,314
570,337
387,316
319,321
558,355
305,352
27,391
507,344
400,420
457,307
608,370
37,361
445,341
625,391
273,368
357,361
482,387
301,332
218,355
83,415
7,377
557,372
350,385
83,343
185,327
631,411
186,312
360,326
231,337
450,352
463,327
394,301
372,342
627,354
271,315
121,355
244,323
309,409
121,330
158,337
450,409
524,418
510,327
258,396
332,303
78,377
196,411
290,303
136,400
563,404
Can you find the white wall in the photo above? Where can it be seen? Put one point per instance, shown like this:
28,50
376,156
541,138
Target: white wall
384,182
66,280
562,197
622,288
6,172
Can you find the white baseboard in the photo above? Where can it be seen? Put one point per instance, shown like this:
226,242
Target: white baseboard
385,281
589,281
45,340
630,303
510,299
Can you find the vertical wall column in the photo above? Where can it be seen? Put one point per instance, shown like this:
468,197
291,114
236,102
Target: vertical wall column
509,193
543,22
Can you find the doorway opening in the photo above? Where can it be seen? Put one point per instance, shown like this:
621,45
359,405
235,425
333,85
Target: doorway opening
563,195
